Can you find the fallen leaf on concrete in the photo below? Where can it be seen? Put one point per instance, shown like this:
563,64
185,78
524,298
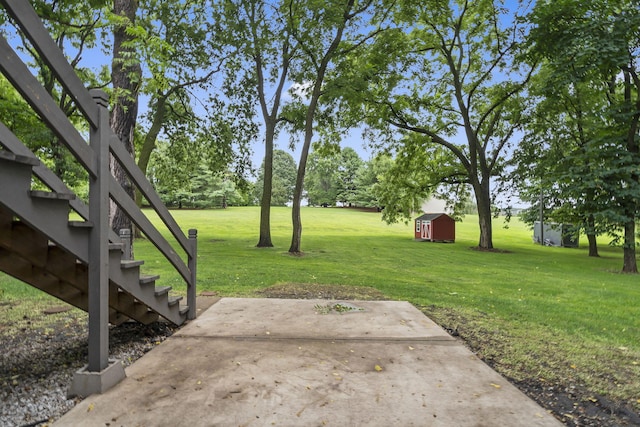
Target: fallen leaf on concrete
90,407
496,385
378,368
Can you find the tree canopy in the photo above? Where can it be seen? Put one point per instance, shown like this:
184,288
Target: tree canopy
590,56
451,95
284,179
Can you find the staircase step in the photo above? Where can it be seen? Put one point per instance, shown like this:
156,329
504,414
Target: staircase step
15,177
162,290
25,160
52,195
130,263
174,300
145,280
81,224
23,270
184,310
44,214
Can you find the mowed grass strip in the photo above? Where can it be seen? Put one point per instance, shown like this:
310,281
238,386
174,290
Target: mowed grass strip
547,314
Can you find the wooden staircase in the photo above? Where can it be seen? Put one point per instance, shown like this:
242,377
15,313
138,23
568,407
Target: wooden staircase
81,262
41,247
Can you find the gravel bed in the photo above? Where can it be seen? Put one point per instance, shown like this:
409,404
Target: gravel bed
37,366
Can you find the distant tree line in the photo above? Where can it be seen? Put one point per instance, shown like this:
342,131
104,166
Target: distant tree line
336,178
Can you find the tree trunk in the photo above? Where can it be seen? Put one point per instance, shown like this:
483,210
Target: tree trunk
308,131
265,203
149,143
483,200
296,236
591,236
126,79
302,166
630,265
593,245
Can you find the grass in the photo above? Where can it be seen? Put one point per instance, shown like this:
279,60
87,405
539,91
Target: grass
23,307
550,314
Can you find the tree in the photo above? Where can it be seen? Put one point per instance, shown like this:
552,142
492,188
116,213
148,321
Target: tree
594,44
416,174
125,78
325,32
347,172
261,32
454,84
74,28
20,119
367,183
322,178
182,50
551,156
171,167
284,175
183,178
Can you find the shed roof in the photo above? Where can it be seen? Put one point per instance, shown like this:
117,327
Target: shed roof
431,216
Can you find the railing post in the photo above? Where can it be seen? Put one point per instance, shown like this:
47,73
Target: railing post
125,238
99,241
100,374
193,264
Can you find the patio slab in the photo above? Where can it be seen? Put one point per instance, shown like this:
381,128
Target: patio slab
255,362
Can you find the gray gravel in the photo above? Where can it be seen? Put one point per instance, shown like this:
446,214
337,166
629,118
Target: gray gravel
36,366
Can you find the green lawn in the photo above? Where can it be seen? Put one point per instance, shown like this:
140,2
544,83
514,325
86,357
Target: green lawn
534,313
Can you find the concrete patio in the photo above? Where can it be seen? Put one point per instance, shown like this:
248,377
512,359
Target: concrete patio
281,362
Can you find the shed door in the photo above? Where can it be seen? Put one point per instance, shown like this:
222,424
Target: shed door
425,231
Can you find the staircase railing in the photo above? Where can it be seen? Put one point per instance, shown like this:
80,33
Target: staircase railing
94,158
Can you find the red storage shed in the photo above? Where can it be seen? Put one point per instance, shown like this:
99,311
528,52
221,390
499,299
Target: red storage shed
435,227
